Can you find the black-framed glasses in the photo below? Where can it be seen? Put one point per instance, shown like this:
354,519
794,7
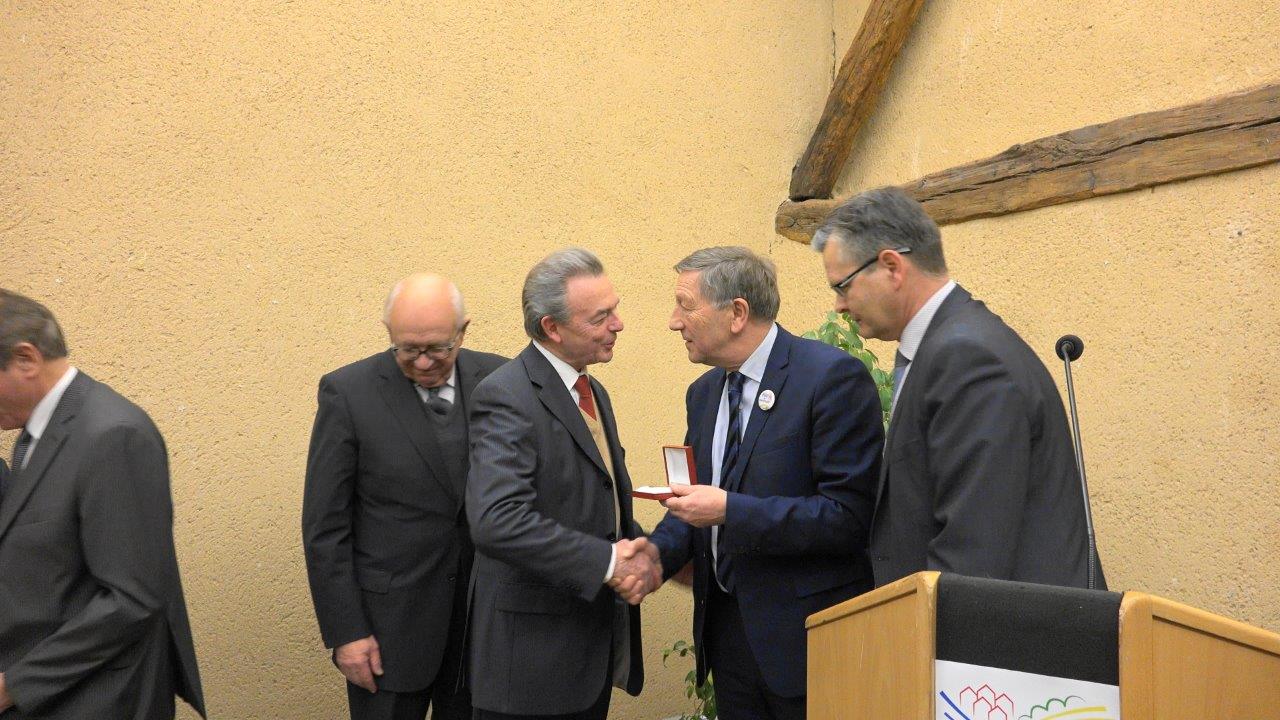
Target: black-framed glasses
435,352
843,286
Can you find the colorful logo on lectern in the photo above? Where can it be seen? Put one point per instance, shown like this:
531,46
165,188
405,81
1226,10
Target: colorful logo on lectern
984,703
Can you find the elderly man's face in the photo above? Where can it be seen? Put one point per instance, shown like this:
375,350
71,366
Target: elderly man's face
866,298
704,328
593,324
422,333
19,389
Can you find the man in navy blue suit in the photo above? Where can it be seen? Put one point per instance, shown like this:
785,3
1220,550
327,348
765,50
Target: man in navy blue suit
787,437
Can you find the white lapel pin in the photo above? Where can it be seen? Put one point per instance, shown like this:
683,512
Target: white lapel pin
765,401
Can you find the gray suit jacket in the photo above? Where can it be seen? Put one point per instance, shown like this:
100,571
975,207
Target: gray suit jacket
382,521
538,499
979,475
93,623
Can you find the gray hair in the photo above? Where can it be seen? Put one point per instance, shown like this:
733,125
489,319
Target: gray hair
732,272
544,287
459,306
883,218
25,320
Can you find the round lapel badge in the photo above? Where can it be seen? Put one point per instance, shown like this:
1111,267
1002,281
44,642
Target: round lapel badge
765,401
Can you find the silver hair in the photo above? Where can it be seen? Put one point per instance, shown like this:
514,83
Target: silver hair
23,320
883,218
544,287
732,272
455,295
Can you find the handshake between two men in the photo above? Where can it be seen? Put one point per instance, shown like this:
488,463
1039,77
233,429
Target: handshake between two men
638,569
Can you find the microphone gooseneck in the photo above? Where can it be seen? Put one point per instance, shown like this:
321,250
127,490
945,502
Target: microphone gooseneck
1069,348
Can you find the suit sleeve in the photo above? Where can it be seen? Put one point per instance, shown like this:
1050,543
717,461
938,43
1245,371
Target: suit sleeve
327,499
673,536
501,494
979,449
833,518
126,538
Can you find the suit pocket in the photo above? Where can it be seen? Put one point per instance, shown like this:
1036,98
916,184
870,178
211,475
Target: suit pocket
537,599
782,443
373,580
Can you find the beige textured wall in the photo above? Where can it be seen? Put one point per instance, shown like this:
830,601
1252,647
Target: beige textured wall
213,198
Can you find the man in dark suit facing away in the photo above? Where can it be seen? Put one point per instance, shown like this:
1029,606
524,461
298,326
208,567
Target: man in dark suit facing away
979,475
786,434
93,623
549,501
383,527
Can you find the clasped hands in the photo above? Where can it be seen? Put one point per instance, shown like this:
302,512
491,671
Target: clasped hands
637,569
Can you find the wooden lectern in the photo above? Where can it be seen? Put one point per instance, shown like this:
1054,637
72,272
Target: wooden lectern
889,655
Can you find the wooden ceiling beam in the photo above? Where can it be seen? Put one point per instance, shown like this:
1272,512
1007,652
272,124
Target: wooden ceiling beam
1230,132
862,75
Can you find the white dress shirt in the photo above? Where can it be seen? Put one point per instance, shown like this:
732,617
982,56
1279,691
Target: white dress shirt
570,378
913,333
752,373
43,413
448,391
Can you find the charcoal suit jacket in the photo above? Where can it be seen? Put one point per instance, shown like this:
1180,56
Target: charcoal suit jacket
93,623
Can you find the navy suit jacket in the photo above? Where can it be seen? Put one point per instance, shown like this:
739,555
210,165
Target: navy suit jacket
799,506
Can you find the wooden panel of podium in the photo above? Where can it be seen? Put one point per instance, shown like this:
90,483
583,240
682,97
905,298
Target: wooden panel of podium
947,647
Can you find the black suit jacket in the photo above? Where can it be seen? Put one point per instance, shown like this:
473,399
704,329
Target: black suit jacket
541,511
979,477
93,623
382,521
799,504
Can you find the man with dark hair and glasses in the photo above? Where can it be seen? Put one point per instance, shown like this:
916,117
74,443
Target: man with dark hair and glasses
979,477
387,546
93,623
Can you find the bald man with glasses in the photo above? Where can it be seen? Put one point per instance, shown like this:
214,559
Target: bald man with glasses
384,530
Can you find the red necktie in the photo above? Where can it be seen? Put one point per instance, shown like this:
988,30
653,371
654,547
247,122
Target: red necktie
585,401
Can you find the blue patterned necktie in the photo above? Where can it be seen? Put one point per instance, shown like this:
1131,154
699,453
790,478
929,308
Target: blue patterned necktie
19,456
732,440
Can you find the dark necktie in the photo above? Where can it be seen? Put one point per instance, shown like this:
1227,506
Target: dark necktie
19,455
900,363
437,404
20,450
732,440
586,400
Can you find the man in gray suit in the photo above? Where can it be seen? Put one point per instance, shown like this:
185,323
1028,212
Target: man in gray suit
549,501
979,477
92,619
386,541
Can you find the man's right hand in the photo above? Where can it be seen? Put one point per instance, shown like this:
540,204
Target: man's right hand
637,570
360,660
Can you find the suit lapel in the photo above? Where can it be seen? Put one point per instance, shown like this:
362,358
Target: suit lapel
23,482
707,425
555,396
952,304
775,376
620,476
406,407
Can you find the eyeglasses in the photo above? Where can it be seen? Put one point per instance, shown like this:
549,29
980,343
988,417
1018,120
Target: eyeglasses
843,286
435,352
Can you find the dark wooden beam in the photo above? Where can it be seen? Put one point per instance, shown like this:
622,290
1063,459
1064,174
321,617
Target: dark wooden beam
862,75
1225,133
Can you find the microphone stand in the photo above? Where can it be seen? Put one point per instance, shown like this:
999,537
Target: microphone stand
1070,347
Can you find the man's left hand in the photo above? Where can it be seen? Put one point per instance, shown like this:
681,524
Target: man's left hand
6,702
699,505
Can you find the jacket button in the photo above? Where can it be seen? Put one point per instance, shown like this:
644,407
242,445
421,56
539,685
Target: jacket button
611,537
608,484
453,578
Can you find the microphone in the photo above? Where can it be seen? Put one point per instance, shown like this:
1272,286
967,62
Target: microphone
1069,348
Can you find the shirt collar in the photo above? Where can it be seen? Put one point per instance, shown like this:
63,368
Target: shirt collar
566,372
753,368
451,381
913,333
43,412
